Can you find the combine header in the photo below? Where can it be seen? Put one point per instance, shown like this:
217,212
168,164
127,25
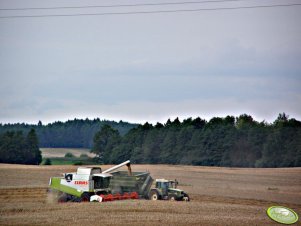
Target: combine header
114,197
91,184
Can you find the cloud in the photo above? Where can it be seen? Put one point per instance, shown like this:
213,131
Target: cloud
150,67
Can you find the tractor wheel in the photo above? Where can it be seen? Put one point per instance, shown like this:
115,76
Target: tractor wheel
154,195
172,197
85,197
186,198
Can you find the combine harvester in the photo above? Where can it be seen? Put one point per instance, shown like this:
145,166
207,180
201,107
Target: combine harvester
93,184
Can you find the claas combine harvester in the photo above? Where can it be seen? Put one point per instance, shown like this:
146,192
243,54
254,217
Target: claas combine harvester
93,184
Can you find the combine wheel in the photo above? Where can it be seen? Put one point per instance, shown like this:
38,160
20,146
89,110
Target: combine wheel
63,198
85,197
172,197
154,195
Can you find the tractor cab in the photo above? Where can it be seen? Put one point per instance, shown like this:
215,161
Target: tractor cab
164,185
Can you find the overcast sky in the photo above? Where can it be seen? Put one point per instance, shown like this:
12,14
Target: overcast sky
149,67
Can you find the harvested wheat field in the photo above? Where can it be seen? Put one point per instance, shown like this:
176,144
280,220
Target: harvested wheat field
219,196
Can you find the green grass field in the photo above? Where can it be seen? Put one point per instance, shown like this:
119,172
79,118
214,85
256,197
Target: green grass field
72,161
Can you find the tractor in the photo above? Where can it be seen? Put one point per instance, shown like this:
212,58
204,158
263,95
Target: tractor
167,190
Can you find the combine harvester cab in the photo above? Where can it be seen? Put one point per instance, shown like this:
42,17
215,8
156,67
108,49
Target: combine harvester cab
90,182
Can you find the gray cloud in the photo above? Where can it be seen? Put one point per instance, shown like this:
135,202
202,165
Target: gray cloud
150,67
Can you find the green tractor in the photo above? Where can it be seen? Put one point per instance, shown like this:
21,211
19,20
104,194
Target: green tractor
167,190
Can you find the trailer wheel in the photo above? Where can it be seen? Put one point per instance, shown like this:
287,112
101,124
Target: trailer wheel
154,195
85,197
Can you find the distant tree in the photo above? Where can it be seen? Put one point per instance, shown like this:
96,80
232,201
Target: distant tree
187,122
69,155
159,125
84,156
229,120
33,153
176,122
243,120
76,133
227,141
151,147
47,162
14,148
198,123
168,123
282,147
282,118
104,142
248,143
147,126
168,146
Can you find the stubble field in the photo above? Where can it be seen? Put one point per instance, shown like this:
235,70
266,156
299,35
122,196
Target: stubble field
219,196
61,152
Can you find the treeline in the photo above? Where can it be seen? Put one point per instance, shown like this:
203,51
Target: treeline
229,141
77,133
20,149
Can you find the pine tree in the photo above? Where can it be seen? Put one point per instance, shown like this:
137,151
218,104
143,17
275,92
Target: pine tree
33,153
